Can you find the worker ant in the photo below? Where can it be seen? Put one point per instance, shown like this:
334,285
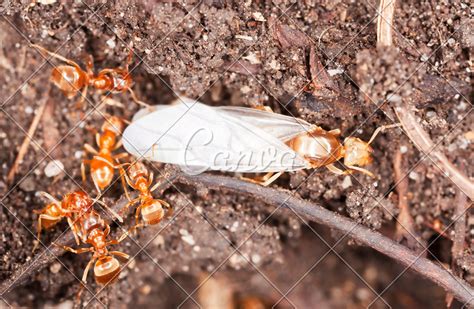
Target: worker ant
71,78
103,163
73,206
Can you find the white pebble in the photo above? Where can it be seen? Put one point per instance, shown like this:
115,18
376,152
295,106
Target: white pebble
189,239
347,182
413,175
403,149
53,168
256,258
29,110
111,42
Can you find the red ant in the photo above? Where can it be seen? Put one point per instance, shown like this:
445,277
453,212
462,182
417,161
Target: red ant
152,210
71,79
72,206
102,164
93,230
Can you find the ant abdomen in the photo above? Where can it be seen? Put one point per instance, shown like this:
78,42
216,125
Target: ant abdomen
152,212
69,79
106,270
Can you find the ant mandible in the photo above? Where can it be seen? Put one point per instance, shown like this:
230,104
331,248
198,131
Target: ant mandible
71,78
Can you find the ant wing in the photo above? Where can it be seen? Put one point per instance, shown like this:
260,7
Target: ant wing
199,137
282,127
145,111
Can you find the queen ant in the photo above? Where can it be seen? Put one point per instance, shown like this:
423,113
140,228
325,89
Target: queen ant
71,78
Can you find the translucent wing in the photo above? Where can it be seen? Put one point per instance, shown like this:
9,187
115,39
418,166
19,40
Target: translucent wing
202,137
282,127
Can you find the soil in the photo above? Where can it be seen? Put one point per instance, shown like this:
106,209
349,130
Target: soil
191,48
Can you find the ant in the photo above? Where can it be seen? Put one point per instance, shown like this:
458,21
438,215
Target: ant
93,230
73,205
152,210
71,79
102,164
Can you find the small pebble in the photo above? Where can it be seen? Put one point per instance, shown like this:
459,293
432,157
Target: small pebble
111,43
189,239
347,182
53,168
403,149
256,258
55,268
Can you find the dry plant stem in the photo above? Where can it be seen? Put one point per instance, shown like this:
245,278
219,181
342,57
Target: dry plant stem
457,249
405,223
27,141
458,287
423,142
384,23
23,273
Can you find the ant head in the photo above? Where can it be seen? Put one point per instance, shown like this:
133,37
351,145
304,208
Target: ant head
357,152
152,211
78,200
113,124
106,270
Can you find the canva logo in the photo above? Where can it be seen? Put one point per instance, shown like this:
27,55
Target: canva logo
206,150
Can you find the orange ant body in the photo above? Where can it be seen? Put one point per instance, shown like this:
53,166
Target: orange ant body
102,164
71,79
94,231
73,206
152,210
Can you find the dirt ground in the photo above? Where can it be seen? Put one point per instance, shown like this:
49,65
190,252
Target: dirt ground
191,48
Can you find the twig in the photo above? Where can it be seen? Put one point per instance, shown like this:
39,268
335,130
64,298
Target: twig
384,22
26,142
405,223
457,250
460,289
24,272
423,142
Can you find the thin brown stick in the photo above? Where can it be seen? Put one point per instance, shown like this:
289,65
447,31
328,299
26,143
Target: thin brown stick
423,142
405,223
458,287
459,241
27,141
384,22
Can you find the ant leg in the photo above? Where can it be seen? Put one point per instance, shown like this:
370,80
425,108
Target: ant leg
335,132
264,108
168,207
120,254
86,270
40,226
118,144
90,149
134,98
54,55
124,182
74,230
337,170
90,65
76,251
110,210
362,170
129,204
97,139
266,180
381,129
117,241
137,214
80,102
83,169
121,155
50,197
